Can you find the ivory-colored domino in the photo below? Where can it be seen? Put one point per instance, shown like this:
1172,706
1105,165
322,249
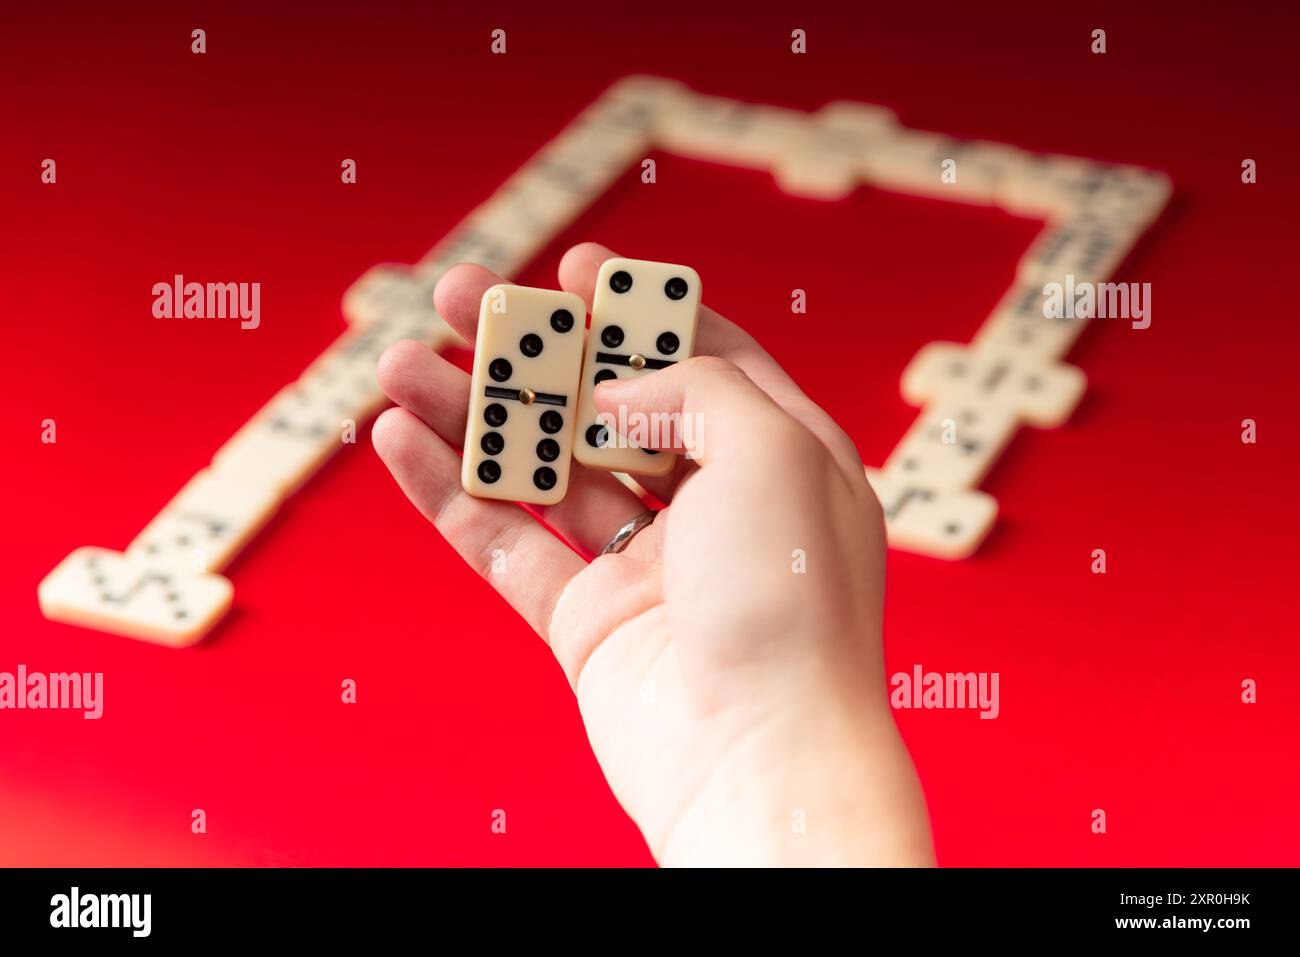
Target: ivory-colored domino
553,188
342,379
1044,187
469,242
364,345
621,123
292,436
351,380
982,165
952,445
631,484
1041,393
569,173
643,89
946,168
1087,247
830,159
564,178
824,165
519,230
132,596
1020,326
560,181
941,523
1061,187
557,185
643,318
586,159
543,199
390,290
932,164
911,162
527,359
598,146
550,192
868,120
728,131
207,523
1132,194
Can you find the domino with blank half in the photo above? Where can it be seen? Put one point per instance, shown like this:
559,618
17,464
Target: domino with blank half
643,319
830,159
1039,392
922,518
527,359
133,596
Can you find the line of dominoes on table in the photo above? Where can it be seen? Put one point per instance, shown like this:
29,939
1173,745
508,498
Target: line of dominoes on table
166,586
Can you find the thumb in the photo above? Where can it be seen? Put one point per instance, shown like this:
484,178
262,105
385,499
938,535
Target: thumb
705,407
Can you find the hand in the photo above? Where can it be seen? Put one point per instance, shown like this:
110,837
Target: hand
736,702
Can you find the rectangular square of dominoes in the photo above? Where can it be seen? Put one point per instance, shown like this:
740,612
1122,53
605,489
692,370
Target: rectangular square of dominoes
392,290
643,319
527,360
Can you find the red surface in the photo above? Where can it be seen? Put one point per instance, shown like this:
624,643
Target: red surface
1118,692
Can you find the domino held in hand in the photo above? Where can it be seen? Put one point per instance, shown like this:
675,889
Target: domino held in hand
527,359
643,318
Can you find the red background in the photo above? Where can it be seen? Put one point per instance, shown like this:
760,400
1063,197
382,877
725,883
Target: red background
1118,692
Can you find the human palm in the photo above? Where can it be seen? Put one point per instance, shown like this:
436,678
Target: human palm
728,663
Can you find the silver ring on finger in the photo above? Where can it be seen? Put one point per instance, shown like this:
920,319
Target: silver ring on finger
623,537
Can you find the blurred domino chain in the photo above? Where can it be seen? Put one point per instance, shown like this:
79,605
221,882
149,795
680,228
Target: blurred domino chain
166,586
